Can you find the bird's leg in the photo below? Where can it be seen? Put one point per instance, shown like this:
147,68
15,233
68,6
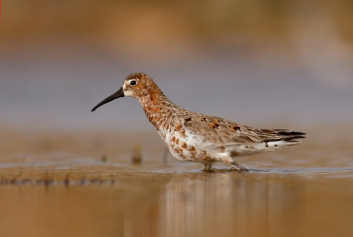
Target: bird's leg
235,165
238,167
208,167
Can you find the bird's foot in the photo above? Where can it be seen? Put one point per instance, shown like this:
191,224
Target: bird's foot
208,167
238,167
207,170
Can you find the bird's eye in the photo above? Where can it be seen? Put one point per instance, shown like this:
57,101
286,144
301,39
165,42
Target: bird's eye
133,82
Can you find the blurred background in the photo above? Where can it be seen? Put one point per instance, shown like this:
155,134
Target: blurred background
264,63
256,62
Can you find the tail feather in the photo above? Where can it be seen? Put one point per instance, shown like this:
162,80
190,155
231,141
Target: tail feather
286,136
288,133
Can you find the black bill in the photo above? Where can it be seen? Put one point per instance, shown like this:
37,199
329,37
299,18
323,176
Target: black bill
116,95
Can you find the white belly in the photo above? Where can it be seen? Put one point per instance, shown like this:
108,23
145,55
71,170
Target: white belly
188,147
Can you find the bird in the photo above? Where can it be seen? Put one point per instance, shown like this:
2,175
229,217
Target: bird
197,137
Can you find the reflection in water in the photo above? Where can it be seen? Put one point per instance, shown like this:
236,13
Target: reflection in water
228,204
174,203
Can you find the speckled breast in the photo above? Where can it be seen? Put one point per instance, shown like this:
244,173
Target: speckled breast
183,146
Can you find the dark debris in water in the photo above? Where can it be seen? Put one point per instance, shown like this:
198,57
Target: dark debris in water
53,182
109,175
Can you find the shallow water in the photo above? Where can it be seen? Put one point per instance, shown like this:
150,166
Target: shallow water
175,201
59,185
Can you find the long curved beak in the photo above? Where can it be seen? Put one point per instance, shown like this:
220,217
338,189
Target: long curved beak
116,95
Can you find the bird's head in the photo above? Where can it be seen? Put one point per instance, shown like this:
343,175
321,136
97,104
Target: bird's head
136,85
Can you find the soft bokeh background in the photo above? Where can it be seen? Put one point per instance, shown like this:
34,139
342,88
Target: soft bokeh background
65,171
256,62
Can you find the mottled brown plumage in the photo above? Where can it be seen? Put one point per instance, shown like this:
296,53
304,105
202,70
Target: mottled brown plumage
198,137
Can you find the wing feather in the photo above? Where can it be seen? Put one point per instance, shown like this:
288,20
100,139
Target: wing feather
216,130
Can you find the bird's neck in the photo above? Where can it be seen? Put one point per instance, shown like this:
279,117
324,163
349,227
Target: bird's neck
158,109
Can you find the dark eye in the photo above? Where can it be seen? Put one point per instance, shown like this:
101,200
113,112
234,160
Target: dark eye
132,83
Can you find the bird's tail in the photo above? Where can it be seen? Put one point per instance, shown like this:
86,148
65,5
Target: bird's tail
287,136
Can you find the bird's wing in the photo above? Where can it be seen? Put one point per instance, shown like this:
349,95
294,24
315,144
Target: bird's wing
219,131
